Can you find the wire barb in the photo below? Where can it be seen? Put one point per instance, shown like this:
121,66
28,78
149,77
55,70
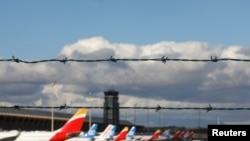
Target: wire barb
209,108
64,60
158,108
164,59
214,59
17,107
112,59
63,107
15,59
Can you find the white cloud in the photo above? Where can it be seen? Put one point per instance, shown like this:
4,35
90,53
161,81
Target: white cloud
173,84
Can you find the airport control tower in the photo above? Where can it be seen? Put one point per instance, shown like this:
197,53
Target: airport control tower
111,107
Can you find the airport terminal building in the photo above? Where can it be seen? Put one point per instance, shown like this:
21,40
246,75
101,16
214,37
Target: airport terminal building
41,120
34,119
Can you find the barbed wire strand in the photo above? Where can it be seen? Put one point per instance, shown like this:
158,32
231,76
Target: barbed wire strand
157,108
163,59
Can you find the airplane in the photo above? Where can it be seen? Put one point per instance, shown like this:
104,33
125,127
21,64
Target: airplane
178,135
70,129
131,133
191,134
164,136
92,131
107,134
122,135
188,135
87,136
152,137
9,135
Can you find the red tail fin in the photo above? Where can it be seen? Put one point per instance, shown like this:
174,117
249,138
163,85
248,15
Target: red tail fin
122,134
155,135
190,136
181,135
176,134
72,127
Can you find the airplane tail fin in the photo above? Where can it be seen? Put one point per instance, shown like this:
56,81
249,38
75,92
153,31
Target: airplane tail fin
191,134
167,134
72,127
131,133
112,133
155,135
185,136
176,134
122,134
181,135
106,133
92,131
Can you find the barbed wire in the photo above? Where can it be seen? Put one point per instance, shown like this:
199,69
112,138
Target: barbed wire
156,108
163,59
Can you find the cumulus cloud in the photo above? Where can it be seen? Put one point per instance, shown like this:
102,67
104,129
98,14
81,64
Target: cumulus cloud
146,83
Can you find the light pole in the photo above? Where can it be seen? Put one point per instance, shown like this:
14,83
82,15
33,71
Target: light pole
52,104
199,123
159,120
90,99
135,115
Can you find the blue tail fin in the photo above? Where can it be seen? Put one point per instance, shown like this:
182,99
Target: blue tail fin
92,131
168,134
131,133
113,129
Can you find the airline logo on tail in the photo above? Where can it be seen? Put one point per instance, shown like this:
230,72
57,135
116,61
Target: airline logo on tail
92,131
155,135
122,134
107,134
112,133
109,130
176,134
167,134
72,127
131,133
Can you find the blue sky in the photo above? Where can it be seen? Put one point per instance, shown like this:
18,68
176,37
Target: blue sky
39,29
83,29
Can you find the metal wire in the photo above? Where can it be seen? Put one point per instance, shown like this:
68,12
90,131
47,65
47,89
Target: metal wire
157,108
163,59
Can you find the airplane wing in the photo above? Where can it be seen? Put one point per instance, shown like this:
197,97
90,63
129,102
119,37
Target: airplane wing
10,138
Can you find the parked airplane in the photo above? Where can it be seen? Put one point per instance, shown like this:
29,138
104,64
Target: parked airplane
165,136
178,135
70,129
152,137
107,134
188,135
131,134
122,135
91,134
86,136
9,135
